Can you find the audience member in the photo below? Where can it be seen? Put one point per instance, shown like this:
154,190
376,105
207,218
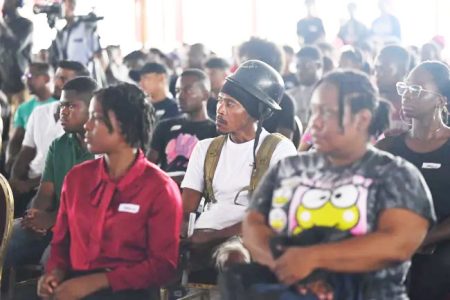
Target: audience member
217,69
38,80
309,70
351,58
196,56
427,146
281,121
290,78
153,80
430,51
174,140
386,28
310,29
31,234
353,31
104,200
225,169
65,71
337,205
42,128
391,66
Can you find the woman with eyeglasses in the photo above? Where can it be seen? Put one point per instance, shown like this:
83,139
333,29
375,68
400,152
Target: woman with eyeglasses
427,145
347,215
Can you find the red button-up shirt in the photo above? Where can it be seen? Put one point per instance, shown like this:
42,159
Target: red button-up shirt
130,226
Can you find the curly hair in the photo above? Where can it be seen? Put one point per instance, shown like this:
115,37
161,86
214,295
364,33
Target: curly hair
133,112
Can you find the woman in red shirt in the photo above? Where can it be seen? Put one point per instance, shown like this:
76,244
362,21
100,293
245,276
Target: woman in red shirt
117,230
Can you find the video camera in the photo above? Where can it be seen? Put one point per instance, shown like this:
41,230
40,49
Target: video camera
54,12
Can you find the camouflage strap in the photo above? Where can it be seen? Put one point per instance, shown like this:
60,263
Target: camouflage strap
211,160
263,158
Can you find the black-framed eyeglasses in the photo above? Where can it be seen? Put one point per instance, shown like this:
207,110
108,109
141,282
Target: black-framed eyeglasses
414,89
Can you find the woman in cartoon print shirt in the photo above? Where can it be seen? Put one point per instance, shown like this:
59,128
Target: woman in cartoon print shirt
425,94
380,204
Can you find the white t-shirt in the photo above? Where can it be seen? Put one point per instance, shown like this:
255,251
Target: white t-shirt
232,174
40,132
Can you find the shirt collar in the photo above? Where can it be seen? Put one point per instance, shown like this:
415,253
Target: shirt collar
129,177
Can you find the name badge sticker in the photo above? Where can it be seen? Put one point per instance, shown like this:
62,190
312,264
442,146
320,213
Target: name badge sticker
427,165
129,208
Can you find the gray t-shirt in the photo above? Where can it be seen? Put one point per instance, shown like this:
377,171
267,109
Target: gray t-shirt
304,192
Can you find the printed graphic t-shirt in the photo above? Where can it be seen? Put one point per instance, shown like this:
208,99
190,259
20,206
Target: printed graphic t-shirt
175,139
305,192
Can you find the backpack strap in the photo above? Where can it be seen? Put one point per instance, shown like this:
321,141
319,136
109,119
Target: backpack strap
263,158
211,160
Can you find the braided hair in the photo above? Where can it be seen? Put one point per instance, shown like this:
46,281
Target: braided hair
441,77
354,88
135,115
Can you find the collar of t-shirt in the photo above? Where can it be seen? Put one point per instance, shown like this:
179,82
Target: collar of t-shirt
103,180
233,145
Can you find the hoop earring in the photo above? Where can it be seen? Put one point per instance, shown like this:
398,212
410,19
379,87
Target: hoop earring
444,113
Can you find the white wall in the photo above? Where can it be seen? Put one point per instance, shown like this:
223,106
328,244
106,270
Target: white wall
221,24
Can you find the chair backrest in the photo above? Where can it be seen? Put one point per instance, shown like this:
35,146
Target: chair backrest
6,217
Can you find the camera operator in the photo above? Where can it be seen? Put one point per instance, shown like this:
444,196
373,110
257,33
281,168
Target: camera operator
78,40
15,50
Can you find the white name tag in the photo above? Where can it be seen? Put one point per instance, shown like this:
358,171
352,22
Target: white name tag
427,165
129,208
175,127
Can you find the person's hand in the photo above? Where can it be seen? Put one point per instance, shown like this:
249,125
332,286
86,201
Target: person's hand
41,220
72,289
48,283
33,220
296,263
321,289
80,287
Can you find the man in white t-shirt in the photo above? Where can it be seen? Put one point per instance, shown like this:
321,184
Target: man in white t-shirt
41,129
246,99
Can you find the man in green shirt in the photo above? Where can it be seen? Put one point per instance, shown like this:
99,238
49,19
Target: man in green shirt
38,81
30,235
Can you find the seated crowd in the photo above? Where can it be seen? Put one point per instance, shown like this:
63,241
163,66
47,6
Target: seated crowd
121,189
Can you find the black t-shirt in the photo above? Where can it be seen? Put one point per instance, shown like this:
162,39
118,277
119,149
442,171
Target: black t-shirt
174,140
310,29
166,109
435,168
306,193
283,118
353,32
290,81
211,107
